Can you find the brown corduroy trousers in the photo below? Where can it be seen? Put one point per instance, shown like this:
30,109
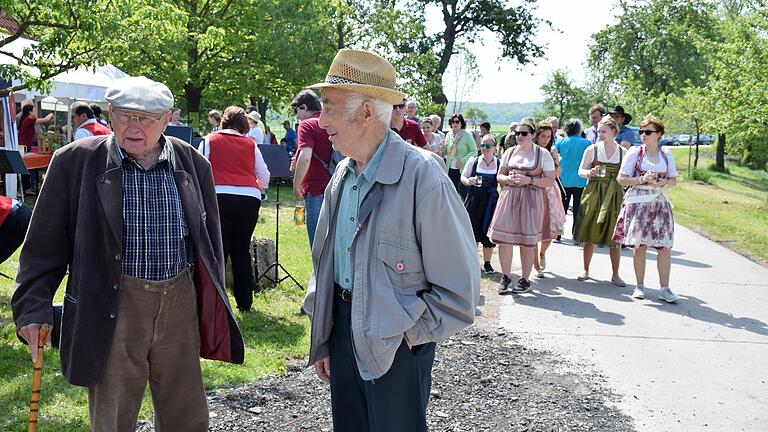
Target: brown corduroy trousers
157,341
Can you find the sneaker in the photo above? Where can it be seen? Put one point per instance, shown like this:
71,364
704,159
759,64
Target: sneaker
487,269
638,293
584,275
542,262
504,284
668,296
539,273
523,286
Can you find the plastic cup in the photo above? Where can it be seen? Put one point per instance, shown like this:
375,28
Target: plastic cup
479,181
601,170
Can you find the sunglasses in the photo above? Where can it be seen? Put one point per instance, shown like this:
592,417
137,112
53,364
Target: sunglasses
398,106
456,121
486,146
521,133
646,132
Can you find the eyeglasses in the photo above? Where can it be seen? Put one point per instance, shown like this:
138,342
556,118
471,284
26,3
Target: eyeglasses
398,106
125,118
521,133
487,146
646,131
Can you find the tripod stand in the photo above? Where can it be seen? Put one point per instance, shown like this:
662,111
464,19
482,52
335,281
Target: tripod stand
278,163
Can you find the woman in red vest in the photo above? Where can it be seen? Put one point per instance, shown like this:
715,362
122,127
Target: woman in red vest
240,174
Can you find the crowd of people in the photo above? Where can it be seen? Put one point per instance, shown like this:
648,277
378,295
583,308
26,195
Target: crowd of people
146,294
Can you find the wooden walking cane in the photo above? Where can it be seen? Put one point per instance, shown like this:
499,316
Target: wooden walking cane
34,401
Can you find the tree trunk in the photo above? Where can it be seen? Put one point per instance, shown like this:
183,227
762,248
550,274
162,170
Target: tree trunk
696,158
193,95
720,153
262,108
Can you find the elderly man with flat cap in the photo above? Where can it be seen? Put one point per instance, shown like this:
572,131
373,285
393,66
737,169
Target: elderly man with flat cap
395,267
133,218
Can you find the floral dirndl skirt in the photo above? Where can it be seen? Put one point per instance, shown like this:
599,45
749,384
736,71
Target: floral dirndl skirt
645,218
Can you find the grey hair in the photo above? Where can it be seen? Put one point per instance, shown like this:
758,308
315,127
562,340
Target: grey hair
572,127
414,102
383,109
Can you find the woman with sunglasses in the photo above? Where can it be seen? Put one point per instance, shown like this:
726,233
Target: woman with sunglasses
646,217
526,171
544,138
459,148
601,200
479,177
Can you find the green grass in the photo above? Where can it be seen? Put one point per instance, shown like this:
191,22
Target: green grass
275,335
732,210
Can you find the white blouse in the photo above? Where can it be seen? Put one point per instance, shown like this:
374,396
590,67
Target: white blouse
628,166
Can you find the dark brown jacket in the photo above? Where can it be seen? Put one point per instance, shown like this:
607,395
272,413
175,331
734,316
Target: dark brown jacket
77,226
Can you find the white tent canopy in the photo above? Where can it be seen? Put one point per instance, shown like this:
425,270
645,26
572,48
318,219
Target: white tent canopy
77,84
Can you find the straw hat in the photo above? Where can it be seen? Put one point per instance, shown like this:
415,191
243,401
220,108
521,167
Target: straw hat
362,72
255,116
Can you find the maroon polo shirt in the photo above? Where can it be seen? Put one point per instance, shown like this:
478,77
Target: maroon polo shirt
311,135
411,132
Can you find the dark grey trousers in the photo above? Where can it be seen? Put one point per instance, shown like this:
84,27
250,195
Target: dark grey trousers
395,402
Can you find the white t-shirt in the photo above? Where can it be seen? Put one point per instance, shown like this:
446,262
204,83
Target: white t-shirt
628,166
257,134
481,167
547,163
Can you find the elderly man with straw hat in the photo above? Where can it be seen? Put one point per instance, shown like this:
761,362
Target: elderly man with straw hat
395,265
136,224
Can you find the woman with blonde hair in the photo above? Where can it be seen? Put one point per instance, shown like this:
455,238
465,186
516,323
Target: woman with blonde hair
646,216
601,199
525,172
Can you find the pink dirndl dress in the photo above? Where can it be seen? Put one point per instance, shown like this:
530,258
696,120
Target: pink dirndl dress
522,213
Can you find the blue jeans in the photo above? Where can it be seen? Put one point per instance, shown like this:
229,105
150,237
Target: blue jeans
312,206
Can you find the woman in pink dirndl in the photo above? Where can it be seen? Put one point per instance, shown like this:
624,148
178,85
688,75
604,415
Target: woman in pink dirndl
645,218
544,138
522,214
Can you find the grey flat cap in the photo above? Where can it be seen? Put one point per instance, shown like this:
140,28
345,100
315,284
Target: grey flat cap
139,94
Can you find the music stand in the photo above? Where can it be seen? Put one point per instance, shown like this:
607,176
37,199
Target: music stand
279,165
183,133
11,162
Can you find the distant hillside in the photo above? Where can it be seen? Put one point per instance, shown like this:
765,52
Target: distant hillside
501,113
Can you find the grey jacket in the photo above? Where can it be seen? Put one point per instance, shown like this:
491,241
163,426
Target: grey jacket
414,261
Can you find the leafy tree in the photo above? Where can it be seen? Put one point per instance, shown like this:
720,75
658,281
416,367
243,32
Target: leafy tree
475,116
564,98
653,50
687,110
737,91
230,52
67,35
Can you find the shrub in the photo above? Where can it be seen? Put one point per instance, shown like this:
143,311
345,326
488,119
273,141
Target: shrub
700,175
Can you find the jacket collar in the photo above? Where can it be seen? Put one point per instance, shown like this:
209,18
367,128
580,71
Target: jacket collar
391,165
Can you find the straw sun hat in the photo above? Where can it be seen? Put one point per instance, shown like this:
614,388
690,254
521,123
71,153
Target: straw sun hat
362,72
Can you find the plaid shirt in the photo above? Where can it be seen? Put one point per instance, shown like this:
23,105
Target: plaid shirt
156,244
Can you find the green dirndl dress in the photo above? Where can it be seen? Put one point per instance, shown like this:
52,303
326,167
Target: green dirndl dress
600,205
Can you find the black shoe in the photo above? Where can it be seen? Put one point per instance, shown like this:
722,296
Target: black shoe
523,286
504,285
487,269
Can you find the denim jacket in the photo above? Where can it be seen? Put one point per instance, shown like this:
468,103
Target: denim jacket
414,261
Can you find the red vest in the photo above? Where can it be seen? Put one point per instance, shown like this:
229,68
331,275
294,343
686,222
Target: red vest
97,128
5,207
233,160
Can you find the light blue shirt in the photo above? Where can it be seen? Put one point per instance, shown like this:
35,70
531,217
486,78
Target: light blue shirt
625,134
353,190
571,150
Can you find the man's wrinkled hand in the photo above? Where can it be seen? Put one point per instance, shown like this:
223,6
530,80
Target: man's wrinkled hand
323,369
30,333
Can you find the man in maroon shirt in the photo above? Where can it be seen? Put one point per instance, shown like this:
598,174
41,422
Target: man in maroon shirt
409,130
310,176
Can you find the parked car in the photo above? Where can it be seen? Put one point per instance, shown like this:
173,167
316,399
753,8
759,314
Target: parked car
684,139
669,140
